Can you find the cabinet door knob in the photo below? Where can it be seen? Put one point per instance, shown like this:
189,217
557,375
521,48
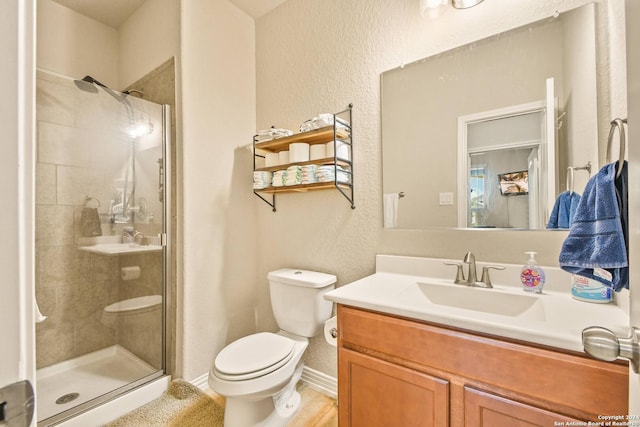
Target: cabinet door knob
602,344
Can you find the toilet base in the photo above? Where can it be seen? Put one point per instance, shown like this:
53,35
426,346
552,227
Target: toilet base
272,411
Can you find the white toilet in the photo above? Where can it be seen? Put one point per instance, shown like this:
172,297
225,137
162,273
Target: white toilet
258,373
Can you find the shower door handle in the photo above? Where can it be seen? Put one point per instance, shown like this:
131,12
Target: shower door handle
603,344
160,181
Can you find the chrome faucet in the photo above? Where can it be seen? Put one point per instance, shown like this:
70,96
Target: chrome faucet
140,239
471,279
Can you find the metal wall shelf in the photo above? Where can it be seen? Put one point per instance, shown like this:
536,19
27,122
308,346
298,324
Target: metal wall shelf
340,130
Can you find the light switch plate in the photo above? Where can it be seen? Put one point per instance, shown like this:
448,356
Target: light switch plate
446,199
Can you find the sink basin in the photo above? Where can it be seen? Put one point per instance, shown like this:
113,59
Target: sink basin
490,301
120,248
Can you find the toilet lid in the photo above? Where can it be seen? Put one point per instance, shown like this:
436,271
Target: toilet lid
253,356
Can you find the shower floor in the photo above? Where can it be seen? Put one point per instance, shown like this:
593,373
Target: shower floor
90,375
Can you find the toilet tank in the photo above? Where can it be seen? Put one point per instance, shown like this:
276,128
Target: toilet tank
297,300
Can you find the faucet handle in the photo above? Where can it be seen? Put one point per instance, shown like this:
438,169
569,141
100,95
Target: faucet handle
459,273
485,274
140,238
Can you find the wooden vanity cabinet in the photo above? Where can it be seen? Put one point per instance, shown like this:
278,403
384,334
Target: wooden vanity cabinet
489,410
394,371
374,385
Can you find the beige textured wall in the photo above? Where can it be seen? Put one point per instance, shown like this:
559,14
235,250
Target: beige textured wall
315,57
74,45
217,225
148,38
580,129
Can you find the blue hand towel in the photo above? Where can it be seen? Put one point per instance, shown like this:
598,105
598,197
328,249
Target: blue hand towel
595,246
564,210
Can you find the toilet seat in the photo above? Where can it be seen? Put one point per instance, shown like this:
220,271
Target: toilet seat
253,356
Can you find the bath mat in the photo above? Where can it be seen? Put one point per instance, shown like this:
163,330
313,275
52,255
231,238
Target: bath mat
183,405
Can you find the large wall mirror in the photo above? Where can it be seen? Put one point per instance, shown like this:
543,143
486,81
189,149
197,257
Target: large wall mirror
482,136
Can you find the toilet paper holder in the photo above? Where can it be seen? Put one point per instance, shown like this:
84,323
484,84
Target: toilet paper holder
331,331
130,273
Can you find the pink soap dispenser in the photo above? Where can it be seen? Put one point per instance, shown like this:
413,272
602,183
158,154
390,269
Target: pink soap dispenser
531,275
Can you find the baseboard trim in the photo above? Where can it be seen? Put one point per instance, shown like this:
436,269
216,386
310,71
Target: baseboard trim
321,382
202,382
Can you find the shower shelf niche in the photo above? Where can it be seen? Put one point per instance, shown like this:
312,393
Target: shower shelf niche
112,245
340,130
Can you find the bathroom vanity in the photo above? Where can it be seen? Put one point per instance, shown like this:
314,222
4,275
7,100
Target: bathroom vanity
404,359
396,371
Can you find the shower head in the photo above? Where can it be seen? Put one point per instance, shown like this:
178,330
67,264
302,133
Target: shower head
90,79
86,84
136,127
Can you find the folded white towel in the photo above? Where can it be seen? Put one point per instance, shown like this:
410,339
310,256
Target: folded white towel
272,133
390,201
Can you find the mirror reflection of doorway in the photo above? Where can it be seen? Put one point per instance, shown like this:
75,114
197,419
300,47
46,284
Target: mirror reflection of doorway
499,191
504,159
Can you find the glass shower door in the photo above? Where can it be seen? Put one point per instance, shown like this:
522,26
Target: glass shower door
101,255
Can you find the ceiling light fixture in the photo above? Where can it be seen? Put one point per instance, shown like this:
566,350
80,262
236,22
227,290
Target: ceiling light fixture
465,4
432,4
432,8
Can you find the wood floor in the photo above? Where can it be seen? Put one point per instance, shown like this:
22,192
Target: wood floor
317,410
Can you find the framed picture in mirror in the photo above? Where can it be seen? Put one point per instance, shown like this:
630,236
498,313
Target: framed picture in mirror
514,183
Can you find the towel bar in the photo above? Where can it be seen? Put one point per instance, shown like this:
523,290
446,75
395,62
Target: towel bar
570,171
619,124
89,199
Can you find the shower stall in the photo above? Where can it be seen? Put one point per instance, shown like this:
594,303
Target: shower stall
102,256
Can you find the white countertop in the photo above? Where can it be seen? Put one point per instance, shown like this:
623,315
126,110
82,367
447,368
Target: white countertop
552,318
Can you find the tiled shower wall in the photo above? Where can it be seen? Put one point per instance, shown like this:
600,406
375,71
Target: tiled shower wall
79,154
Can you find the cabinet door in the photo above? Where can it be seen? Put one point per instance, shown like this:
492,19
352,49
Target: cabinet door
376,393
482,409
